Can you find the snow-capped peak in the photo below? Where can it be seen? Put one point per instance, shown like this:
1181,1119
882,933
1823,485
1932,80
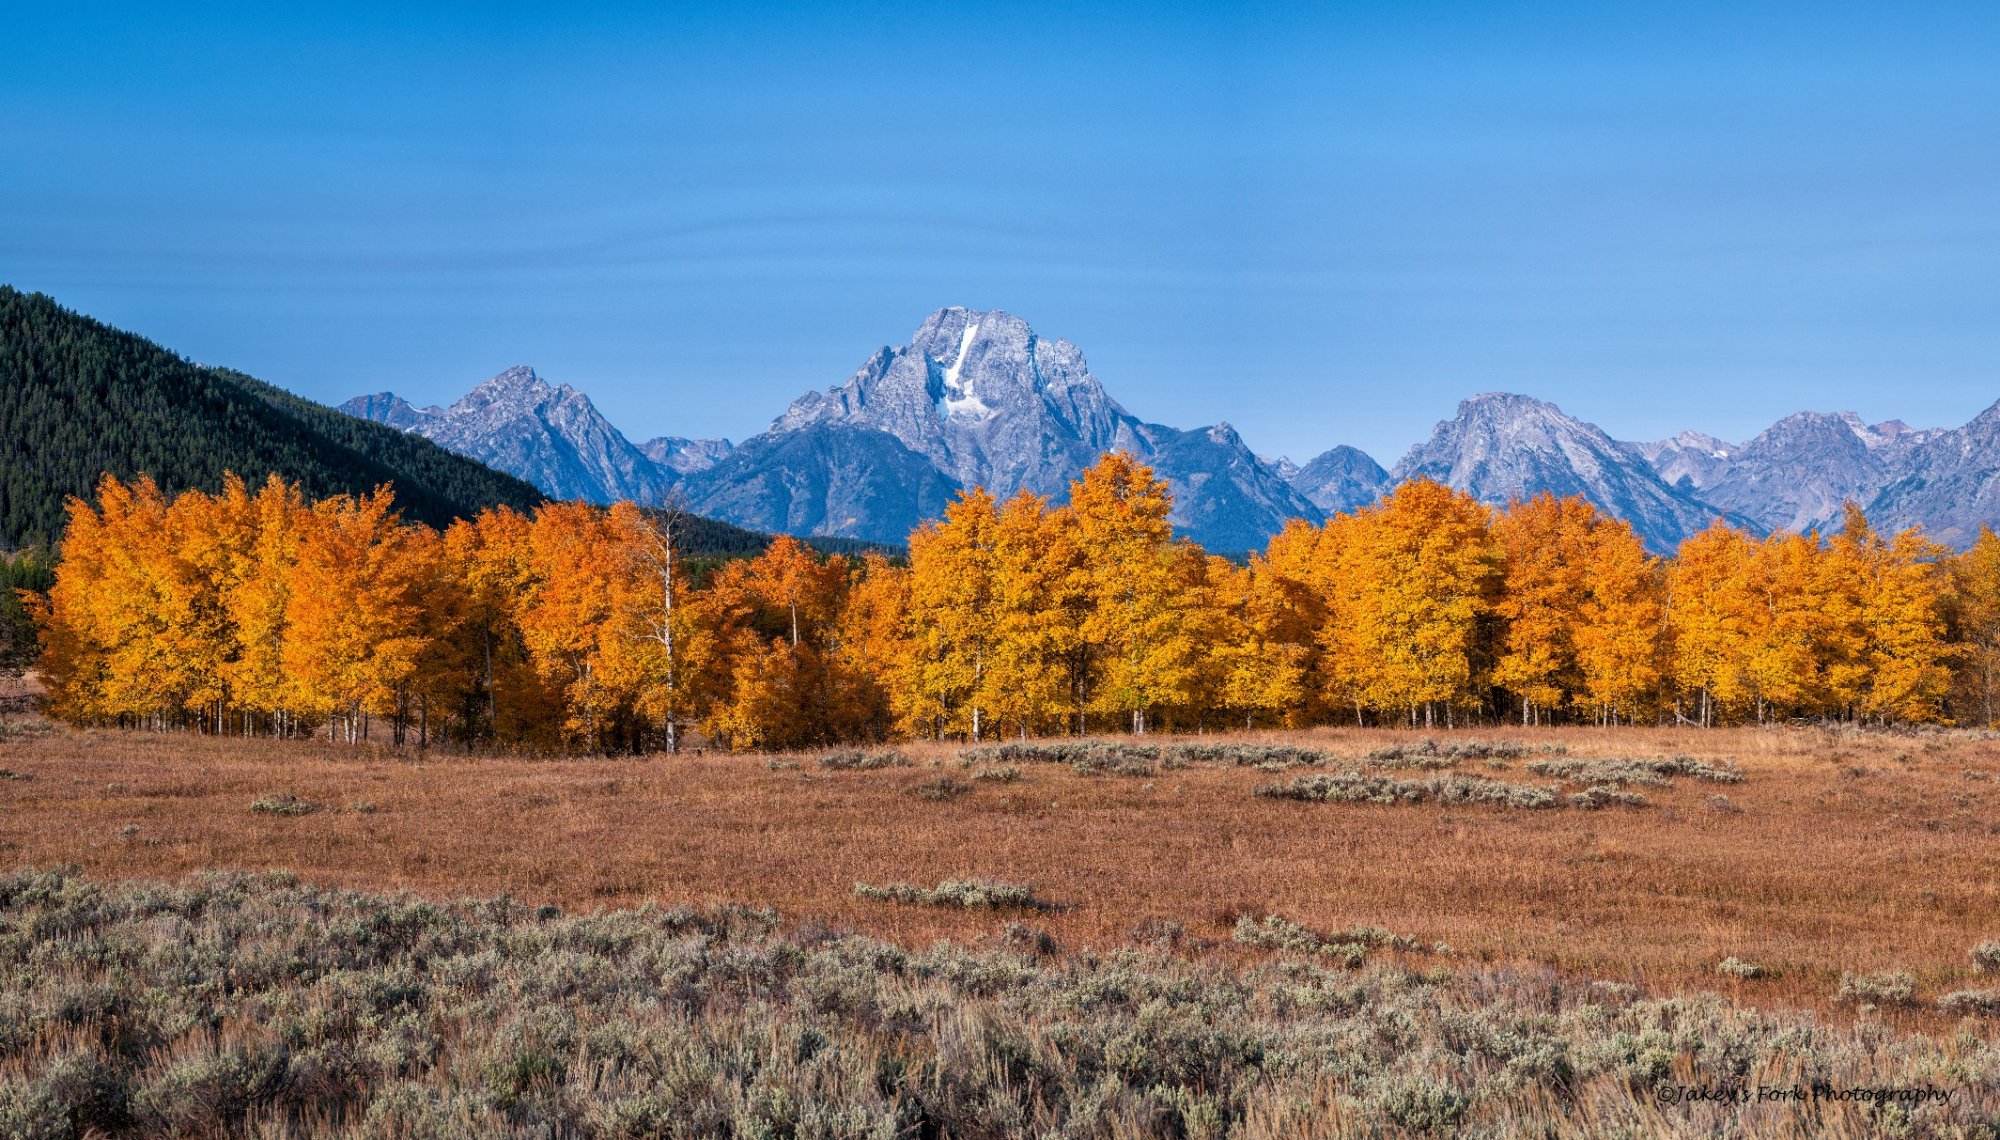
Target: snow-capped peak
958,401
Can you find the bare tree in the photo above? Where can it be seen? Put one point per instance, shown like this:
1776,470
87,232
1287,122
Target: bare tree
658,549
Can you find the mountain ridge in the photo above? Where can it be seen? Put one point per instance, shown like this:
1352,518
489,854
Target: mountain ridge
979,398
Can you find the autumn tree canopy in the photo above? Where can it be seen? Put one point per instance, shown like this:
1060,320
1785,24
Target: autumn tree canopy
256,611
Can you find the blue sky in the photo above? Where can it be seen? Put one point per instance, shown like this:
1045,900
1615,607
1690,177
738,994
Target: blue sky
1324,224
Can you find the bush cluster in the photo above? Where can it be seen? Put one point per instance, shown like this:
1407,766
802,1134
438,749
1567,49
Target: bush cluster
854,760
969,894
1891,987
1603,796
285,804
1347,947
1116,757
1428,753
1652,770
1360,788
1734,967
942,788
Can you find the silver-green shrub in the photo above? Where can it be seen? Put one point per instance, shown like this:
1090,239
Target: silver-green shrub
1359,788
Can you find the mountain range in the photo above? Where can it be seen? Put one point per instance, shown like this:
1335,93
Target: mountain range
979,399
974,399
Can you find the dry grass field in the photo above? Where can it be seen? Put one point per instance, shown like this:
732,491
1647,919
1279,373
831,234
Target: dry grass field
1837,852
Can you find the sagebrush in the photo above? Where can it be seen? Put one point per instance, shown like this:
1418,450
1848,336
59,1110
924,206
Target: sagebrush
252,1004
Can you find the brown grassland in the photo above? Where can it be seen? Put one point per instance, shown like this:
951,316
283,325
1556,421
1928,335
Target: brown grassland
1838,852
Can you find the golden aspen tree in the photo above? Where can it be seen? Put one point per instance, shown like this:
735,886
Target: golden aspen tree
444,664
665,650
565,610
1898,657
1413,587
1263,647
354,634
1040,598
1786,650
1907,648
777,614
503,696
1208,617
75,662
207,539
951,621
1710,620
1975,597
1546,547
1620,627
873,641
1138,577
128,615
258,604
1299,564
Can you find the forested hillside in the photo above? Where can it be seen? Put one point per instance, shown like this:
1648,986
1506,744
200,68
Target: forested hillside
79,399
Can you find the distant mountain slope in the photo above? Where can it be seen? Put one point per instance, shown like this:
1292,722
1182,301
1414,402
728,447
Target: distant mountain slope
1502,446
550,435
1340,479
1693,456
686,456
712,540
839,480
1224,496
1799,471
1947,482
79,398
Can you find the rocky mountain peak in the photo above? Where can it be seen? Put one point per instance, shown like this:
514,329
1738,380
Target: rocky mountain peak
984,398
1503,446
1338,480
987,401
550,435
518,381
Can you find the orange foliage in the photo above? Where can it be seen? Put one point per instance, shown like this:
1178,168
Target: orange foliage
578,628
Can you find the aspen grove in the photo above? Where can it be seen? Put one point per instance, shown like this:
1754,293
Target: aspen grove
580,628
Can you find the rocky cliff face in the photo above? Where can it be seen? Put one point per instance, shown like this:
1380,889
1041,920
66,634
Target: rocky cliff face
552,436
1501,447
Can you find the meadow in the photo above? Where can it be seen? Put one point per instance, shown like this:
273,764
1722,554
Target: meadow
1353,917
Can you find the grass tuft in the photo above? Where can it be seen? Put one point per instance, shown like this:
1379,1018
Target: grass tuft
1986,958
